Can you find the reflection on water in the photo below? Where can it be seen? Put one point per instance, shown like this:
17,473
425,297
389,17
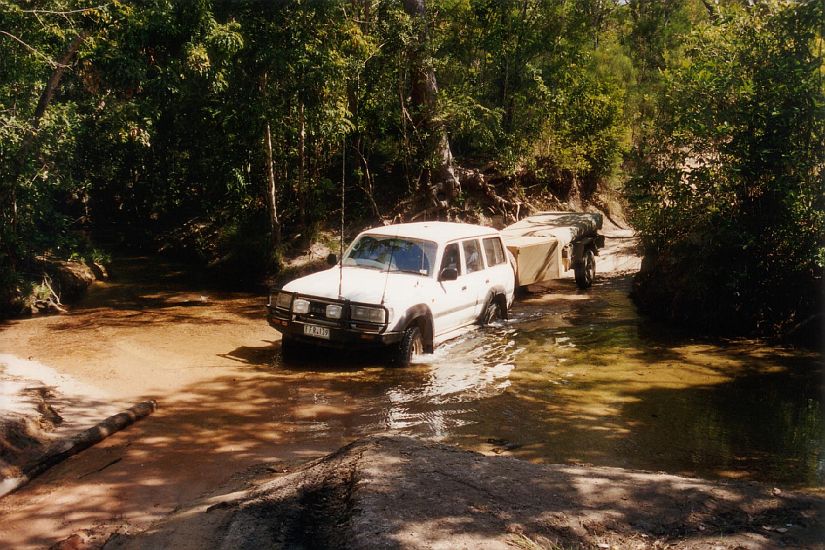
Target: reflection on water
586,381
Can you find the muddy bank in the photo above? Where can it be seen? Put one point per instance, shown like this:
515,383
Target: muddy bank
49,284
398,492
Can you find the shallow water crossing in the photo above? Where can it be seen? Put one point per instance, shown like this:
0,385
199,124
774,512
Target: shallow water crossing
580,378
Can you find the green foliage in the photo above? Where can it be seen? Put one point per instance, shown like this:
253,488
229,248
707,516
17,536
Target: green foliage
156,131
526,85
160,120
728,191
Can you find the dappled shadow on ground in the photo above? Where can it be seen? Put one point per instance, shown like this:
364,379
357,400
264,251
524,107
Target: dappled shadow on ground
39,409
157,290
562,504
390,492
207,432
283,415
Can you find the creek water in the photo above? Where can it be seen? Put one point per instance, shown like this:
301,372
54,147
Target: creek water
581,378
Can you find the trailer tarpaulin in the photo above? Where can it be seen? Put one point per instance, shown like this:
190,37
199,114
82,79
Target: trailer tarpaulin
541,243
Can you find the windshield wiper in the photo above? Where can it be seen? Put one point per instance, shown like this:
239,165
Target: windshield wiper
413,271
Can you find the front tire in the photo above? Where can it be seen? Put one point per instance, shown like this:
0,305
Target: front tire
586,270
410,347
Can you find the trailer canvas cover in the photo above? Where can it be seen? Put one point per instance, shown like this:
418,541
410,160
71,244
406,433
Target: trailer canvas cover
541,244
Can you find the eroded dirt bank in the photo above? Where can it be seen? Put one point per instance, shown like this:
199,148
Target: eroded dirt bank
398,492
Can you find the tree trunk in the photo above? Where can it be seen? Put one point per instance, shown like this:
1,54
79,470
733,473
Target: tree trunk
8,189
46,97
302,206
271,194
367,186
424,92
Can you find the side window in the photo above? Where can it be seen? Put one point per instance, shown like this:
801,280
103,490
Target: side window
494,251
472,256
450,258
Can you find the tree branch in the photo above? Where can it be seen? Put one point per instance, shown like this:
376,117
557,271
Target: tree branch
54,79
711,9
67,12
32,49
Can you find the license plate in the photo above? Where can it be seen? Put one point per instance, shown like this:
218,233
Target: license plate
316,331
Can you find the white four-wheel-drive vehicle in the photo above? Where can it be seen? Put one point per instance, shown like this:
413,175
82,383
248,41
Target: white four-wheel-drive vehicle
408,286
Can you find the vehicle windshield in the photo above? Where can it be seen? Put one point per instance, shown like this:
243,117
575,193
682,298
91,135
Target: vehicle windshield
392,254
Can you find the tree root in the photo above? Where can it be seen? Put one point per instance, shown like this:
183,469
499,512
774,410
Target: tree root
479,196
52,302
509,209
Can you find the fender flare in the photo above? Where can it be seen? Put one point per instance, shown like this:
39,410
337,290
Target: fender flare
579,247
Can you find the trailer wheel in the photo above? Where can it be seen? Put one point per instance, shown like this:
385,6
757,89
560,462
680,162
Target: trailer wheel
586,270
410,346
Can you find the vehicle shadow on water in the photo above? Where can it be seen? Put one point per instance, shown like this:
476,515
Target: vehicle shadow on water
311,358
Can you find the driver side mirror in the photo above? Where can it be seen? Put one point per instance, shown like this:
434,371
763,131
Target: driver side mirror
448,274
332,259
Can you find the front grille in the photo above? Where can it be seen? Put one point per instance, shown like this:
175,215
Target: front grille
318,312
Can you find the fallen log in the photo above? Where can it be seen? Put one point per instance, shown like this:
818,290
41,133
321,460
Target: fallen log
80,442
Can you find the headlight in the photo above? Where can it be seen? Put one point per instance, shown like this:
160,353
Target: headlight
334,311
283,300
369,314
300,306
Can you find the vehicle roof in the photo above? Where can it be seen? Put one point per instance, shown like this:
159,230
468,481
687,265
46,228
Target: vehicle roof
433,231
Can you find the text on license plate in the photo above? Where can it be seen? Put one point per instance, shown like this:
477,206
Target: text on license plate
316,331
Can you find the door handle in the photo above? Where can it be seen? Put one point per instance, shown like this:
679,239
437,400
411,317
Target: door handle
464,287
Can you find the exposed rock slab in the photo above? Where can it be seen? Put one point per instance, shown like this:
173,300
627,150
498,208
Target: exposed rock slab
398,492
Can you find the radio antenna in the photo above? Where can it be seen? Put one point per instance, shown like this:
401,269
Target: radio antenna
389,265
343,204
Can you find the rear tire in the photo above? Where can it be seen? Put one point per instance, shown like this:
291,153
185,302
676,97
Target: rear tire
586,270
491,312
410,347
